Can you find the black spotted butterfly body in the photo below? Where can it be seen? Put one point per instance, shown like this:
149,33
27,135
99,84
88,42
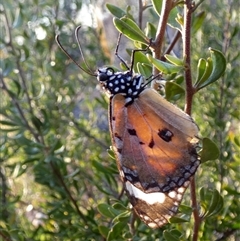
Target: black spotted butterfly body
154,142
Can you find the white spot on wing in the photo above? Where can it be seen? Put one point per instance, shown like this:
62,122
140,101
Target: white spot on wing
152,225
149,198
172,194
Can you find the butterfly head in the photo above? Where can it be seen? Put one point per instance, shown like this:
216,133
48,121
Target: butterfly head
124,83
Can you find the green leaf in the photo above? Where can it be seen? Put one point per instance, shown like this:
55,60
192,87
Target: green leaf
32,150
151,30
36,122
216,204
116,230
18,21
139,56
218,68
174,14
57,146
123,216
144,69
173,235
101,168
7,123
119,206
7,67
209,151
130,29
211,202
103,230
173,91
198,21
174,60
204,70
185,209
116,11
107,210
164,67
179,20
111,153
157,6
176,219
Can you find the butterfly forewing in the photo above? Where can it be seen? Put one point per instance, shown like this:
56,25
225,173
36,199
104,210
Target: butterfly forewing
160,162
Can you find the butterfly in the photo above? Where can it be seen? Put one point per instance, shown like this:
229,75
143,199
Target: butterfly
154,143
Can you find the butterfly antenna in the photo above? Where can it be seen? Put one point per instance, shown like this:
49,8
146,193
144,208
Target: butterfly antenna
64,50
116,53
80,48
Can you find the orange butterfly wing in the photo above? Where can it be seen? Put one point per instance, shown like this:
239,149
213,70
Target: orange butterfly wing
154,142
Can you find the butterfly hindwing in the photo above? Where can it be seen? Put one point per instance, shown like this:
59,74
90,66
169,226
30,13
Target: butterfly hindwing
155,209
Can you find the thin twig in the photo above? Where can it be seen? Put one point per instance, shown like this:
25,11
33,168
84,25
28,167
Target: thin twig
4,192
5,238
197,219
60,178
172,44
157,44
140,12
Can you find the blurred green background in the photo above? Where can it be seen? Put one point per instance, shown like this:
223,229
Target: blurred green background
58,179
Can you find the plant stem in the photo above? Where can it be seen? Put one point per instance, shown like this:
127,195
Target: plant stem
186,34
176,37
58,174
188,9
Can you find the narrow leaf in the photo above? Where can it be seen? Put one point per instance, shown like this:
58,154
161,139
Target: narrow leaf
218,68
144,69
200,69
204,70
157,5
173,91
106,210
164,67
130,29
103,230
198,21
116,11
18,21
216,203
174,60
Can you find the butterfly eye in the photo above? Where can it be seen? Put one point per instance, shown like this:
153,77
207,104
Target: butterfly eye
104,73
